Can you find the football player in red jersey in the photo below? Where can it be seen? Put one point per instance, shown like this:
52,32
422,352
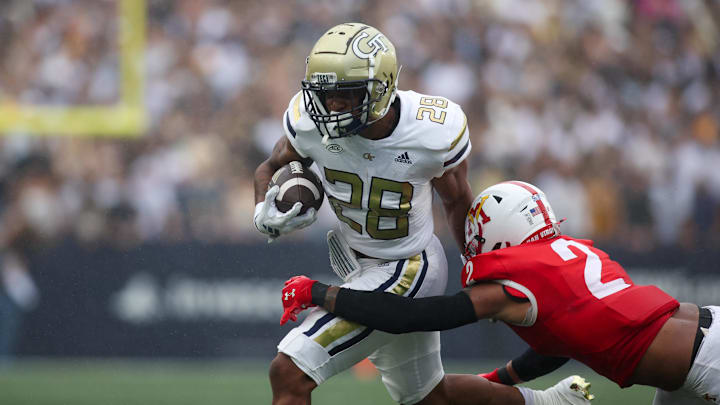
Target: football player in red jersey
564,297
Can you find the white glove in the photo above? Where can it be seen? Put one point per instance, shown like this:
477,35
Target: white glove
274,223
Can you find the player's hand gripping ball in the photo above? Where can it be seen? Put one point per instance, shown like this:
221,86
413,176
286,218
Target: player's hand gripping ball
294,195
297,184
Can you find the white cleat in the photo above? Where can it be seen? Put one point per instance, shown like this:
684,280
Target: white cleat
573,390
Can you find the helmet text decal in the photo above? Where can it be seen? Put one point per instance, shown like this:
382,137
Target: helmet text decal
324,78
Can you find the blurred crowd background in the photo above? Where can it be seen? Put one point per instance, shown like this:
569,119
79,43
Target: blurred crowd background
611,106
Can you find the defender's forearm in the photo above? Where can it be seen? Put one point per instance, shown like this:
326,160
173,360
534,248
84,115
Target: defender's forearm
393,313
531,365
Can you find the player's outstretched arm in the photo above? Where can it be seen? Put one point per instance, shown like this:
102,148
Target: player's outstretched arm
397,314
526,367
378,310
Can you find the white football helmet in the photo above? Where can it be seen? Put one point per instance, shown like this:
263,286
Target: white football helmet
508,214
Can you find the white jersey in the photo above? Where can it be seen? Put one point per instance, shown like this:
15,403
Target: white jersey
380,189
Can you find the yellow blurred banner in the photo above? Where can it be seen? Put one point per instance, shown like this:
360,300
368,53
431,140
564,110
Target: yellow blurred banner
94,121
126,118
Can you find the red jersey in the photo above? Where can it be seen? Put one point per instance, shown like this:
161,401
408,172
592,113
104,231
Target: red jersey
585,305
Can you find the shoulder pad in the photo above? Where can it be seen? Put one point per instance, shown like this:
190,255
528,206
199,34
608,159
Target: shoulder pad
296,118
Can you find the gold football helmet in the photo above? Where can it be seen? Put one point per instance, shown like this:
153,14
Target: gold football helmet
353,58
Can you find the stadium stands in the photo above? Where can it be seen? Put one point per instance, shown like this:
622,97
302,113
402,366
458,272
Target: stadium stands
612,107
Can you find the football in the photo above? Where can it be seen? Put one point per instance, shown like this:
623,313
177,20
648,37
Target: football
297,183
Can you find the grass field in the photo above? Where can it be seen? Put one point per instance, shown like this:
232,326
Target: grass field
192,383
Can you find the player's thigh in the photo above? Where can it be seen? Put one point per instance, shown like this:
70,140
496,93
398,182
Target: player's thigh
325,345
410,365
703,380
678,397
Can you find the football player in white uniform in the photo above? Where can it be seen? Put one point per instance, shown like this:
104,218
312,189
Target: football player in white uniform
380,153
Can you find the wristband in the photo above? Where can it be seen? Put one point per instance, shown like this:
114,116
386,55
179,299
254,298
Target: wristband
504,376
318,291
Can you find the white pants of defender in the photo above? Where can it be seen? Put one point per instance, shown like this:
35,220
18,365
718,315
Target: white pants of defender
410,366
702,385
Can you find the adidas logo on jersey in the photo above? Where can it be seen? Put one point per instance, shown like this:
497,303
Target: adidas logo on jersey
404,158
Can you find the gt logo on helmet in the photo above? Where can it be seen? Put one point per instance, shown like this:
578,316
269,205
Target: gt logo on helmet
376,43
355,59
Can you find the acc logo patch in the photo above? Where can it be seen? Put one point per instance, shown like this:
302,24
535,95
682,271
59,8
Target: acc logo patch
334,148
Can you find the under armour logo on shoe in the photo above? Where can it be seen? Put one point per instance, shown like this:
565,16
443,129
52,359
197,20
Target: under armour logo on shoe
404,158
290,294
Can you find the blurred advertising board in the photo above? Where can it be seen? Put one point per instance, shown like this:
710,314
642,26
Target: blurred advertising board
207,300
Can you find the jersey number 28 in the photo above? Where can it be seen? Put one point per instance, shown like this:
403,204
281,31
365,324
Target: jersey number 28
376,210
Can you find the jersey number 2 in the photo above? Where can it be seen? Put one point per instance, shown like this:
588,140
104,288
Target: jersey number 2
593,268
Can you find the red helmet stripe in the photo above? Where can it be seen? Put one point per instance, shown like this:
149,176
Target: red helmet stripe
539,201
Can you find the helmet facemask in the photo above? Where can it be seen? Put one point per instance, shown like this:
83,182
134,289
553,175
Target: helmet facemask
338,124
473,238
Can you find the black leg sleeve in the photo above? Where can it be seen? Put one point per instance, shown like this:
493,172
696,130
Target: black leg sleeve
531,365
397,314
